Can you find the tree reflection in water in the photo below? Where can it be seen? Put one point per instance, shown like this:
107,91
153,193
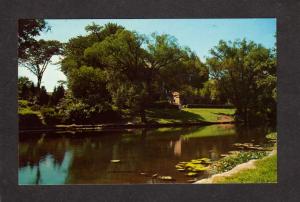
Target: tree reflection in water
48,171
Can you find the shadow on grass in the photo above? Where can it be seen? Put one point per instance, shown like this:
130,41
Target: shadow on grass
223,114
173,116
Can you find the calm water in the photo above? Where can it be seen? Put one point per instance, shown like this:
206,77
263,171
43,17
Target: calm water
85,158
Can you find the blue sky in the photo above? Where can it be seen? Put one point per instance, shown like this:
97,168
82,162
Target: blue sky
199,34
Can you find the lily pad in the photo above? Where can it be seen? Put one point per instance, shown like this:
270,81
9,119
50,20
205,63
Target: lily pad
196,161
205,160
199,168
154,175
178,167
191,174
165,178
115,161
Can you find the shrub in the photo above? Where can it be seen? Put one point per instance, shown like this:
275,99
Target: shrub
29,120
229,162
51,116
78,112
23,103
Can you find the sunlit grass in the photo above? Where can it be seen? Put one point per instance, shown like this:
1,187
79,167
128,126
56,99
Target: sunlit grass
210,114
265,172
189,115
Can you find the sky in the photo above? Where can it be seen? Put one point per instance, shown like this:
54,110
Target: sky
200,35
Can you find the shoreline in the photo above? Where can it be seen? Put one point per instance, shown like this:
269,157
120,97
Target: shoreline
241,167
109,127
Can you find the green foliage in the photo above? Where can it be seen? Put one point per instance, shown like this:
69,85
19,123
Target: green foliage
27,30
57,94
38,56
76,111
128,70
246,73
26,89
88,84
43,98
229,162
272,136
28,118
51,116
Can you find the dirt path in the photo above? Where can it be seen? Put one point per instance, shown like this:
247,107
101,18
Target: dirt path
225,118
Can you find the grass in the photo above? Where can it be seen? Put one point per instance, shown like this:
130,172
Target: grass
265,172
189,115
25,109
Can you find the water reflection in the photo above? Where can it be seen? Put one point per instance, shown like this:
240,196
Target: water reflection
84,158
48,170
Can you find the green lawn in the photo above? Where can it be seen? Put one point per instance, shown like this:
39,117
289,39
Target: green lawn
190,115
265,172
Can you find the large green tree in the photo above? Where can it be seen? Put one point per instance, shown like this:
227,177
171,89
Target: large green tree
27,30
123,59
134,69
246,72
38,56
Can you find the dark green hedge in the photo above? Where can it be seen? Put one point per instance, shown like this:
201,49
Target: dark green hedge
29,120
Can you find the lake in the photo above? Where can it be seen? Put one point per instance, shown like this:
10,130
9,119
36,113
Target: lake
85,157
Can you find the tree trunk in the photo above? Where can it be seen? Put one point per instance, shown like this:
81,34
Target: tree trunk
143,116
39,81
245,115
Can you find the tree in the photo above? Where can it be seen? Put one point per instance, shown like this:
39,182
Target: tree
43,98
246,72
89,85
27,30
57,94
131,67
124,61
24,87
39,56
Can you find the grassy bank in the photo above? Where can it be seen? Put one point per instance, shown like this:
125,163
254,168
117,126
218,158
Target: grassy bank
265,171
32,116
187,115
262,171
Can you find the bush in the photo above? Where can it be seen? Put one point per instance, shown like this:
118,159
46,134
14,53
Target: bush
78,112
23,103
229,162
29,120
50,116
